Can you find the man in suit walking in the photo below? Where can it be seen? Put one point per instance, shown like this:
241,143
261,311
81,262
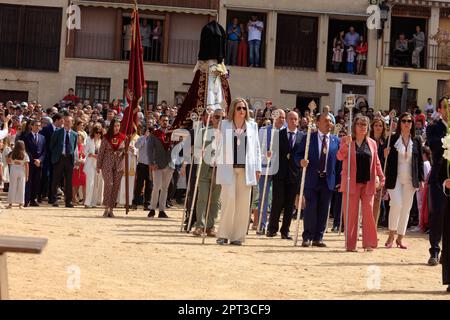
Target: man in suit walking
438,209
320,180
63,146
35,147
286,181
47,167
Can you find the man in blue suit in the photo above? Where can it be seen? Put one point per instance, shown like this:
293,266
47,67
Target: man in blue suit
63,146
320,180
47,168
35,147
286,181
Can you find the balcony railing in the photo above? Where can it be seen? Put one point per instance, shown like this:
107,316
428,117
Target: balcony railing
94,45
182,51
201,4
432,57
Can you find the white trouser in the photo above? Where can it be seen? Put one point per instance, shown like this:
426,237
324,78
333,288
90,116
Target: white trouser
161,182
402,197
94,188
16,193
235,203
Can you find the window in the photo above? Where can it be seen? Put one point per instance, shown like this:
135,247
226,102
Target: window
152,31
30,37
6,95
291,31
243,52
96,90
399,52
150,95
341,36
395,99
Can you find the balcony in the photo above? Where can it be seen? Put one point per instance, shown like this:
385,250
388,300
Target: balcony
432,57
183,51
200,4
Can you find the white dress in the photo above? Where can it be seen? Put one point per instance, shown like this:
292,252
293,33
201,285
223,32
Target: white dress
17,181
6,151
94,180
132,163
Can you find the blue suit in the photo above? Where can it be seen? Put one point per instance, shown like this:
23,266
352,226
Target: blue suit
36,151
63,163
318,191
47,167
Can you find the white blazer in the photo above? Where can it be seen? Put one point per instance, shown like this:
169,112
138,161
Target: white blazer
90,165
225,154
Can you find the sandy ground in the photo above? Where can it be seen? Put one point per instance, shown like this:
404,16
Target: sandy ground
133,257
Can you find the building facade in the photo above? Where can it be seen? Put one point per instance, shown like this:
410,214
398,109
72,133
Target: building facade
429,79
295,64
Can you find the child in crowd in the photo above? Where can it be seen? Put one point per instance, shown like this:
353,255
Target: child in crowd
351,60
337,57
19,169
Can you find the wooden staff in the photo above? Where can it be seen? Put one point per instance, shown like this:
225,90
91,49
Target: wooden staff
391,119
275,116
127,193
350,102
197,124
312,106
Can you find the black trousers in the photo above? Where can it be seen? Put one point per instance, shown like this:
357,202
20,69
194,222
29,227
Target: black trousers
51,195
437,211
63,169
284,194
142,181
446,244
34,184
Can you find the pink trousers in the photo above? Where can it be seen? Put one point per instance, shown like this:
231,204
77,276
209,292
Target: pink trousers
370,239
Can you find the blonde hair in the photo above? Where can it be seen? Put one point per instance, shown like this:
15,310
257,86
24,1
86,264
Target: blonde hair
233,108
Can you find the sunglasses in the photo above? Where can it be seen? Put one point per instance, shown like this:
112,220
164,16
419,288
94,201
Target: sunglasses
406,121
241,108
218,117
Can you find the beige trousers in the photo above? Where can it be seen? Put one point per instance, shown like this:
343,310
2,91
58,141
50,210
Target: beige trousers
235,200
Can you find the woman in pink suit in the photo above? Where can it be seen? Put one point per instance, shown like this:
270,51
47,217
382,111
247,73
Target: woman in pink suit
365,178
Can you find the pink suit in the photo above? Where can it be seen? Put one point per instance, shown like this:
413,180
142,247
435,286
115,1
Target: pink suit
360,192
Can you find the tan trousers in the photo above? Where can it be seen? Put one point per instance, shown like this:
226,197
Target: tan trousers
235,200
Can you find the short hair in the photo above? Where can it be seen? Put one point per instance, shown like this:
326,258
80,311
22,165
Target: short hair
360,117
33,122
57,116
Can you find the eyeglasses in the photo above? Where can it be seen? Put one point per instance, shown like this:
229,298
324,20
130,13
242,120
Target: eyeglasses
218,117
407,121
241,108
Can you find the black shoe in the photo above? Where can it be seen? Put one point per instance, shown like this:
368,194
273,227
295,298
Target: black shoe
133,207
433,261
335,229
286,237
162,214
262,232
146,207
448,289
221,241
306,243
26,205
69,205
319,244
151,214
34,204
55,204
236,243
271,234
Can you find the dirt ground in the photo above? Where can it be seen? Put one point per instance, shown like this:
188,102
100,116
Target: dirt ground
133,257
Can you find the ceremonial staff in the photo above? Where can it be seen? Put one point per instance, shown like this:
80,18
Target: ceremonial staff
196,124
275,116
392,115
350,102
312,106
209,111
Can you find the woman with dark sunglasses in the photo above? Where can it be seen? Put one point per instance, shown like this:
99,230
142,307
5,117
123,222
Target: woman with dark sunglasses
404,175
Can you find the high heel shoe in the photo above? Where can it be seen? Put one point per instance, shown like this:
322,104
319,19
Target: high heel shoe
388,245
400,245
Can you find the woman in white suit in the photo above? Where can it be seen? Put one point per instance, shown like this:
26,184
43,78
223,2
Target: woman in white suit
238,169
94,180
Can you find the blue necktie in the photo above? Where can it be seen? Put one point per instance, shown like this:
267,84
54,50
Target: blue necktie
67,143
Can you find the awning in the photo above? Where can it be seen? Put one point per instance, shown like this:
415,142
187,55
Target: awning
145,7
424,3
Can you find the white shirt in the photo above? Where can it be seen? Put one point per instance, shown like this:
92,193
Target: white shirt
428,107
253,32
320,138
404,160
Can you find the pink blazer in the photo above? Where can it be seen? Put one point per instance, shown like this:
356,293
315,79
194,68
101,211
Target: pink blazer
375,167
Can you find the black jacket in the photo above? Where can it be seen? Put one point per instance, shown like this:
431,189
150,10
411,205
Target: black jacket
416,168
289,169
435,132
213,42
